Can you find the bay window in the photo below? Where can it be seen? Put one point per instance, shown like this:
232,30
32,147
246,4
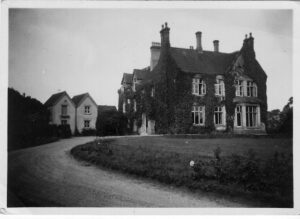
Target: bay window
251,116
251,89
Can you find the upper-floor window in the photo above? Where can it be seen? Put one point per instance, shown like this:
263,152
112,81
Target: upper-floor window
198,115
220,86
239,88
87,109
64,109
199,86
128,101
251,89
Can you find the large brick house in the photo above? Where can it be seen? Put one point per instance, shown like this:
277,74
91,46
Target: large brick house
187,90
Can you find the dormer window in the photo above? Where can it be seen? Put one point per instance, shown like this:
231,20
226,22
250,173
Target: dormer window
251,89
199,87
220,86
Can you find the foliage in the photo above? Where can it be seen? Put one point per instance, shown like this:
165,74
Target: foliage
88,132
111,122
27,122
281,122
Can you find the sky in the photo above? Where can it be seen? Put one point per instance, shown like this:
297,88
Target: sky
88,50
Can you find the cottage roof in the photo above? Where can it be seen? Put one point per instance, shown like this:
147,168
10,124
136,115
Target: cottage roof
78,99
127,78
104,108
55,98
206,62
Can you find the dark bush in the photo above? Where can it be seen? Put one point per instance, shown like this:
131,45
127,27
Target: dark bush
64,131
88,132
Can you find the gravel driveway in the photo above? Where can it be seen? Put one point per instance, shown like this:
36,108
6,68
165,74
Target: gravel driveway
48,176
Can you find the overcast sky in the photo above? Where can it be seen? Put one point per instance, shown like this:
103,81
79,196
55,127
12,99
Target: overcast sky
88,50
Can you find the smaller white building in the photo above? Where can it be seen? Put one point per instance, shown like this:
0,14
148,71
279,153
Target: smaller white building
62,110
86,112
80,112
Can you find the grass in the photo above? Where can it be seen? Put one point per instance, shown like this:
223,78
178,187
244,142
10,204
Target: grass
166,159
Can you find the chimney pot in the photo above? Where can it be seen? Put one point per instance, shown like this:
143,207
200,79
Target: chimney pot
199,41
166,24
250,34
246,36
216,45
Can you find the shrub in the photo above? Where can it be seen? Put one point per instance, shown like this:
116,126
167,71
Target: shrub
88,132
64,131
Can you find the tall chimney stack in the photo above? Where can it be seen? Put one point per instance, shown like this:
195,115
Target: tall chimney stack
216,45
199,42
165,36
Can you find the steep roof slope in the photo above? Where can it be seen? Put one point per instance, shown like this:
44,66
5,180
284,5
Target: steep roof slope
206,62
55,98
79,98
127,78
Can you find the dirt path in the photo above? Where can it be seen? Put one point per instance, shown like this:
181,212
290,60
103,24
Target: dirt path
49,176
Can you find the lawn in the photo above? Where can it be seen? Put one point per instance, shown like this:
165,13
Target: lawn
251,168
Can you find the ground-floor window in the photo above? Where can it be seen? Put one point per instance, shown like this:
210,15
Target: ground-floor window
238,115
251,116
218,115
198,115
64,122
86,123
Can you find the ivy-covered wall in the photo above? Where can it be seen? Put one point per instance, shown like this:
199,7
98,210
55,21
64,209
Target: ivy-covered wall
171,106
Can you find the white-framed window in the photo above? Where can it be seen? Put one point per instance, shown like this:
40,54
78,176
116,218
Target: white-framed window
152,91
251,89
134,105
220,86
198,86
86,123
219,115
239,91
124,107
87,109
64,122
251,116
128,101
238,115
64,109
198,115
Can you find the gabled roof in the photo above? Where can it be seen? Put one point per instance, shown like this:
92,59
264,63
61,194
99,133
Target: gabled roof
78,99
141,73
104,108
206,62
55,98
127,78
